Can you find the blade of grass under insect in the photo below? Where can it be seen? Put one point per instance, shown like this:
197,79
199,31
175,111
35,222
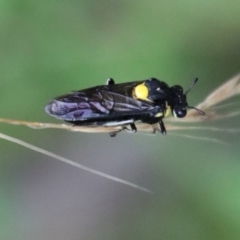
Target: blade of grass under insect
214,129
142,127
226,105
40,125
225,91
211,115
199,138
70,162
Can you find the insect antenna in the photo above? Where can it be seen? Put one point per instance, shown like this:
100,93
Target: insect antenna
194,82
198,110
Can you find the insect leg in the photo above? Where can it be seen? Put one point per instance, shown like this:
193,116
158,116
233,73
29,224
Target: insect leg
154,130
162,127
114,134
123,125
110,81
120,123
133,128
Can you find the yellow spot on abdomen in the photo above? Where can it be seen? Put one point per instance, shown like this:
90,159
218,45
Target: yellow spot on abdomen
141,92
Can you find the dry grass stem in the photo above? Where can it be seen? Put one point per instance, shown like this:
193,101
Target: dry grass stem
70,162
227,90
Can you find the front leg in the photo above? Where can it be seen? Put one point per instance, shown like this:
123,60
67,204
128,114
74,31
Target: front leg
162,127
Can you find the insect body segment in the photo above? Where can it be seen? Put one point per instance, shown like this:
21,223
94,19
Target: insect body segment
121,104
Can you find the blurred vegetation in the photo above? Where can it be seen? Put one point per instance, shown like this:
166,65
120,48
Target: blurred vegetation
48,48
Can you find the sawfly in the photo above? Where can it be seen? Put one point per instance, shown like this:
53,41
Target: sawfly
145,102
112,105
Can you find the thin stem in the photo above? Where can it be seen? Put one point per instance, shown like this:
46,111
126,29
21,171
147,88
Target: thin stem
70,162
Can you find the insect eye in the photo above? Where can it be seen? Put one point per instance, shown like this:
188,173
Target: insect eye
179,112
158,89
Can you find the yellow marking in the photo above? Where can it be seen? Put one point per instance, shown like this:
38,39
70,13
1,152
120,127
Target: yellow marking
159,114
168,110
141,92
166,113
174,114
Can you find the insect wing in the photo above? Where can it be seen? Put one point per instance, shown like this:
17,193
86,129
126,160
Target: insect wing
98,103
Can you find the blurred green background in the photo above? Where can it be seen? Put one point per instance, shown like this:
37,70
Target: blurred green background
48,48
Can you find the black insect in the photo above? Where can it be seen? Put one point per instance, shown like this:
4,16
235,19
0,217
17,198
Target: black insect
122,104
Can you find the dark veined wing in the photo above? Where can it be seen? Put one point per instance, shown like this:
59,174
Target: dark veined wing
107,101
